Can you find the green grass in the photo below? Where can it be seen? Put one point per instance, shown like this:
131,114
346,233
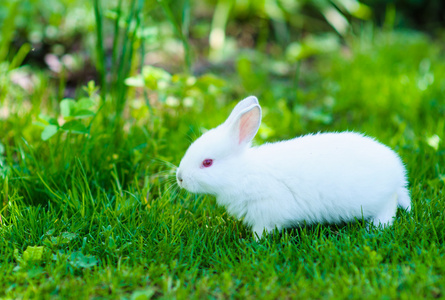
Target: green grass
103,211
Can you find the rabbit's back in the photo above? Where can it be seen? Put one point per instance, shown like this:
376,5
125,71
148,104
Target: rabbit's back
331,158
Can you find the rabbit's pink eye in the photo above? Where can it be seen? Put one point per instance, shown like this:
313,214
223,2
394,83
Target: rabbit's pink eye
207,163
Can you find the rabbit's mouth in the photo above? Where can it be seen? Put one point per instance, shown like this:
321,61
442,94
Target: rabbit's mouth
179,178
188,182
184,182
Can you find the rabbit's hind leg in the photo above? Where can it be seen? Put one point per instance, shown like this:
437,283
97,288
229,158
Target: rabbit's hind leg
386,215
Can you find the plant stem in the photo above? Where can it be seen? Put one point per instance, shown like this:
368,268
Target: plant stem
100,49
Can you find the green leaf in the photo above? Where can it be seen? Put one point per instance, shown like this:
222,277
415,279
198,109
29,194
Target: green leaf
48,120
433,141
64,238
50,232
79,260
67,107
111,243
152,76
355,8
84,113
135,81
17,256
75,127
84,103
90,88
33,253
35,272
143,294
155,72
49,131
68,235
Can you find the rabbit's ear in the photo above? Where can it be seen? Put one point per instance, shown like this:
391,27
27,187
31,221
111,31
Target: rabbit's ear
245,124
242,105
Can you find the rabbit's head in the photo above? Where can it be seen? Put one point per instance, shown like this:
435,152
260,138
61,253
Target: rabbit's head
211,159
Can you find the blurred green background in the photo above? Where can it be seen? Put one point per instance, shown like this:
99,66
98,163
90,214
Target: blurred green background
317,64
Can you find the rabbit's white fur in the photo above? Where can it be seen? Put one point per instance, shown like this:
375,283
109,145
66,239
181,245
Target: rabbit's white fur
323,177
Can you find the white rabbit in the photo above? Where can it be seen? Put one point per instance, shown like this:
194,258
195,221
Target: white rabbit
316,178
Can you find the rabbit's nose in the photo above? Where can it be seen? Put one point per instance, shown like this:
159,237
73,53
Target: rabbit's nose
179,176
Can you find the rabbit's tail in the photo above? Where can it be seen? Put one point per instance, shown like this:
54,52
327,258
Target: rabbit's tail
403,199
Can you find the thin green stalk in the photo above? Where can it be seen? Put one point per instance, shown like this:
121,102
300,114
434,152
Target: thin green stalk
101,66
186,18
145,93
8,30
5,192
122,63
116,34
296,82
129,60
177,28
62,83
20,56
